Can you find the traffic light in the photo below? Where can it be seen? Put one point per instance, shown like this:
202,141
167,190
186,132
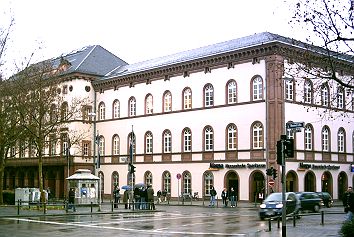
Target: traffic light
279,153
131,168
274,173
289,147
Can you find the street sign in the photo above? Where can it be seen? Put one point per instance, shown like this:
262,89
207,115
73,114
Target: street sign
291,125
271,182
179,176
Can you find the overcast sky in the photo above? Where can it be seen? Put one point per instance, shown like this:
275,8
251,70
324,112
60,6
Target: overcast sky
135,30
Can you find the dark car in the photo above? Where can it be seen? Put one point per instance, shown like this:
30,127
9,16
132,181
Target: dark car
272,205
327,198
310,201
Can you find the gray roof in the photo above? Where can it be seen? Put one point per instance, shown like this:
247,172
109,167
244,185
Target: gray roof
94,60
83,174
212,50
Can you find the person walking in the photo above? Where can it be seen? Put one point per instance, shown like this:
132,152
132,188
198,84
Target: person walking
348,203
233,197
72,199
116,195
224,196
212,196
150,196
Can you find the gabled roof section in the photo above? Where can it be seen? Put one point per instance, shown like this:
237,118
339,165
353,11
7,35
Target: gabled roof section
93,60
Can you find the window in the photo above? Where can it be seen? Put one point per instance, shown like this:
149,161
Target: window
325,139
187,182
148,143
257,135
167,182
85,148
187,140
167,141
115,179
101,111
167,102
148,178
231,137
289,89
115,146
307,92
208,95
208,182
325,95
340,98
53,145
231,92
64,111
187,98
65,146
308,138
132,107
148,104
208,139
341,140
257,85
116,109
101,146
86,111
53,113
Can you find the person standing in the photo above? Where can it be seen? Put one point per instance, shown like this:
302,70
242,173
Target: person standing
224,196
126,198
233,197
116,195
150,196
348,203
212,196
72,199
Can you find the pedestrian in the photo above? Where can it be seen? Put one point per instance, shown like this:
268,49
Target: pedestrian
212,196
159,196
72,199
150,195
126,198
143,197
164,195
116,195
348,203
137,197
233,197
224,196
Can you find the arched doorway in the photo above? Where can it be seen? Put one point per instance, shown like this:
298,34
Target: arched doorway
257,185
231,180
292,184
310,182
326,182
342,184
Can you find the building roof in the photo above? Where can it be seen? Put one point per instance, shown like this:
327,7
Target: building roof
83,174
94,60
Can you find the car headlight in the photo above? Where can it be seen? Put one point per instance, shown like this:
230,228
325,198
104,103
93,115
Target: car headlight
263,205
280,205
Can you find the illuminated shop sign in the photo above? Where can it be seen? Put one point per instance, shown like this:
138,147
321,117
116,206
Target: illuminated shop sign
318,167
215,166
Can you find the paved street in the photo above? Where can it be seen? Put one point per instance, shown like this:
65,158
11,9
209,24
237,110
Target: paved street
169,220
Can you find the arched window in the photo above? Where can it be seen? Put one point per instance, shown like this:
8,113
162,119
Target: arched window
231,137
101,111
187,182
148,104
167,141
148,178
115,179
115,145
187,98
148,143
257,135
341,140
231,92
325,139
116,109
257,85
64,111
208,139
53,113
187,140
307,92
340,98
132,107
101,146
289,89
325,95
208,182
208,95
167,181
308,138
167,101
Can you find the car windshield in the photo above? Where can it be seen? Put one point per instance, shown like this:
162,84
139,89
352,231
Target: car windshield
274,197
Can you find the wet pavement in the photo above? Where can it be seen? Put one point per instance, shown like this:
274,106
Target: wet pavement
168,220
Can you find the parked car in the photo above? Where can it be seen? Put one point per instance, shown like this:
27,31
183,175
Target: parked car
272,205
327,198
310,201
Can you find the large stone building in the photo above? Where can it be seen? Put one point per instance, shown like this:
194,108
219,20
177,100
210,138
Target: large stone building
206,117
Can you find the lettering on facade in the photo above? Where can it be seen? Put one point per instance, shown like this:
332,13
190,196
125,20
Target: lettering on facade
237,166
318,167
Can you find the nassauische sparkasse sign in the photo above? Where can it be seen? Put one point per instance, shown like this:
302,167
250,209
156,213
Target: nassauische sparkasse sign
318,167
236,166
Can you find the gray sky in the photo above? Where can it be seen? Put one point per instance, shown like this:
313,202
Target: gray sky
135,30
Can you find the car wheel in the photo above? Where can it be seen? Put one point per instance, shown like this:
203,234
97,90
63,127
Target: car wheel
316,208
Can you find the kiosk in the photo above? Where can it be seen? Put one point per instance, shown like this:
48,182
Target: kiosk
85,185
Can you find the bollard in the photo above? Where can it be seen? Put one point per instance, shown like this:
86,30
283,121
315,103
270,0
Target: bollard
278,219
66,204
294,217
270,224
112,205
91,206
322,217
45,208
18,206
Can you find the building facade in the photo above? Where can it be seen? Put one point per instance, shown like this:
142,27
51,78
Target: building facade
208,117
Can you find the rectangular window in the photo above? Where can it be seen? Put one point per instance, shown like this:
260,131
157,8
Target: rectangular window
85,149
289,90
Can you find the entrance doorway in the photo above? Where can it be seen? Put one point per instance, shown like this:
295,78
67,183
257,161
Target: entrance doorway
231,180
310,181
257,186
